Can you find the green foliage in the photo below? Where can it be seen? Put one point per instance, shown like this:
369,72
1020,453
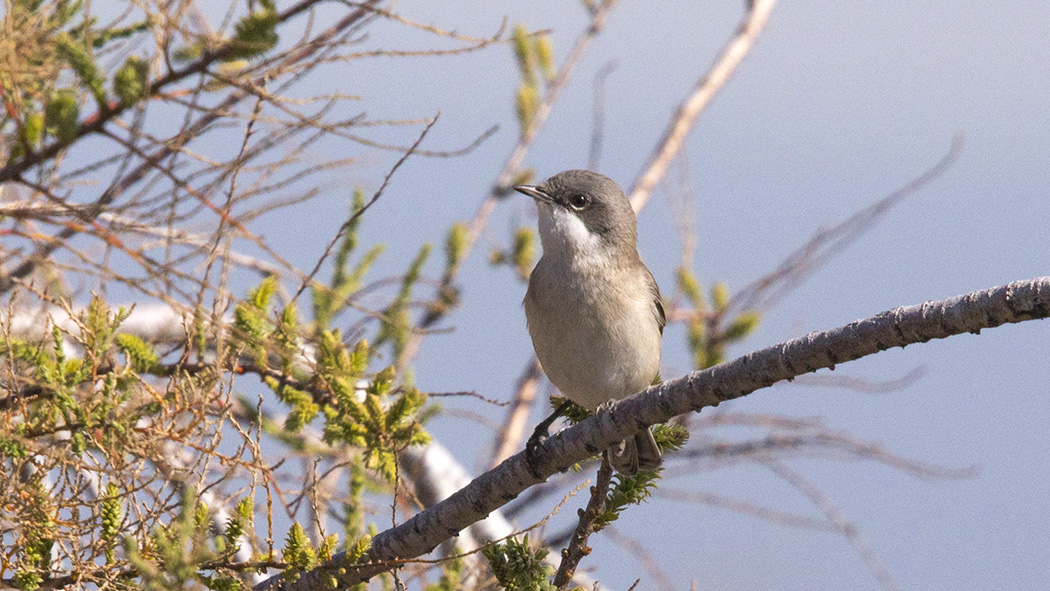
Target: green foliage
52,42
298,554
337,368
141,357
532,53
80,59
705,333
522,44
131,82
720,296
82,394
349,243
250,319
544,50
110,516
379,419
260,297
518,567
104,36
237,524
36,522
689,285
12,448
255,34
526,103
27,580
742,326
62,115
180,552
100,326
353,506
670,437
356,550
521,255
455,246
33,130
573,413
381,432
524,252
304,409
222,583
286,338
626,490
200,333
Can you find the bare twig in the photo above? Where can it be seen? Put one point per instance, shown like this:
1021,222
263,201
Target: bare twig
578,548
594,157
861,385
703,91
357,214
642,555
825,244
744,508
842,523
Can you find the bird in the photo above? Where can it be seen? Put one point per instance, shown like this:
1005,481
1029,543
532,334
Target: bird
592,307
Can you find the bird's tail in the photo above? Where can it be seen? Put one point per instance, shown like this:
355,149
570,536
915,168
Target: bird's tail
637,453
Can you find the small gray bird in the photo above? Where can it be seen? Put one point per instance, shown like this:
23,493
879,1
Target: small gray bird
593,308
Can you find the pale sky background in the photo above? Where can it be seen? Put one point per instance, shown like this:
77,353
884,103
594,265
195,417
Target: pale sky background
838,105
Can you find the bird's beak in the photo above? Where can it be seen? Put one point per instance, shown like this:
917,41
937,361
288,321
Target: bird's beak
534,192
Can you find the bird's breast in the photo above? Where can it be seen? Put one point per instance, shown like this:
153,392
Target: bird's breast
594,331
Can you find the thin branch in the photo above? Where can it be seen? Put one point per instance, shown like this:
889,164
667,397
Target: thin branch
578,548
744,508
594,157
861,385
837,517
764,292
357,214
703,91
642,555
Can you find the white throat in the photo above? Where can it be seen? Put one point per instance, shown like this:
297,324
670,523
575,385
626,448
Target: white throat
566,239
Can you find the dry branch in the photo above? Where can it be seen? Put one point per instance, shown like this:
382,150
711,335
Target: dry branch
703,91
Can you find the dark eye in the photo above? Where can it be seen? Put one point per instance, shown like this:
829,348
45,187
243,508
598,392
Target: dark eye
579,201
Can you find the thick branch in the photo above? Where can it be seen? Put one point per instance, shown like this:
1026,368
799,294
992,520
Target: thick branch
1016,302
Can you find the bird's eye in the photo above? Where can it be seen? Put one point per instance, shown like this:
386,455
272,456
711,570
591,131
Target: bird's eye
579,201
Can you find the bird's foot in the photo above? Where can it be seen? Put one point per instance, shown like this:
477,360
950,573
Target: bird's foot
532,446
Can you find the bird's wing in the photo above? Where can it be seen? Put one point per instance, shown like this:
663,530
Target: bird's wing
658,304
